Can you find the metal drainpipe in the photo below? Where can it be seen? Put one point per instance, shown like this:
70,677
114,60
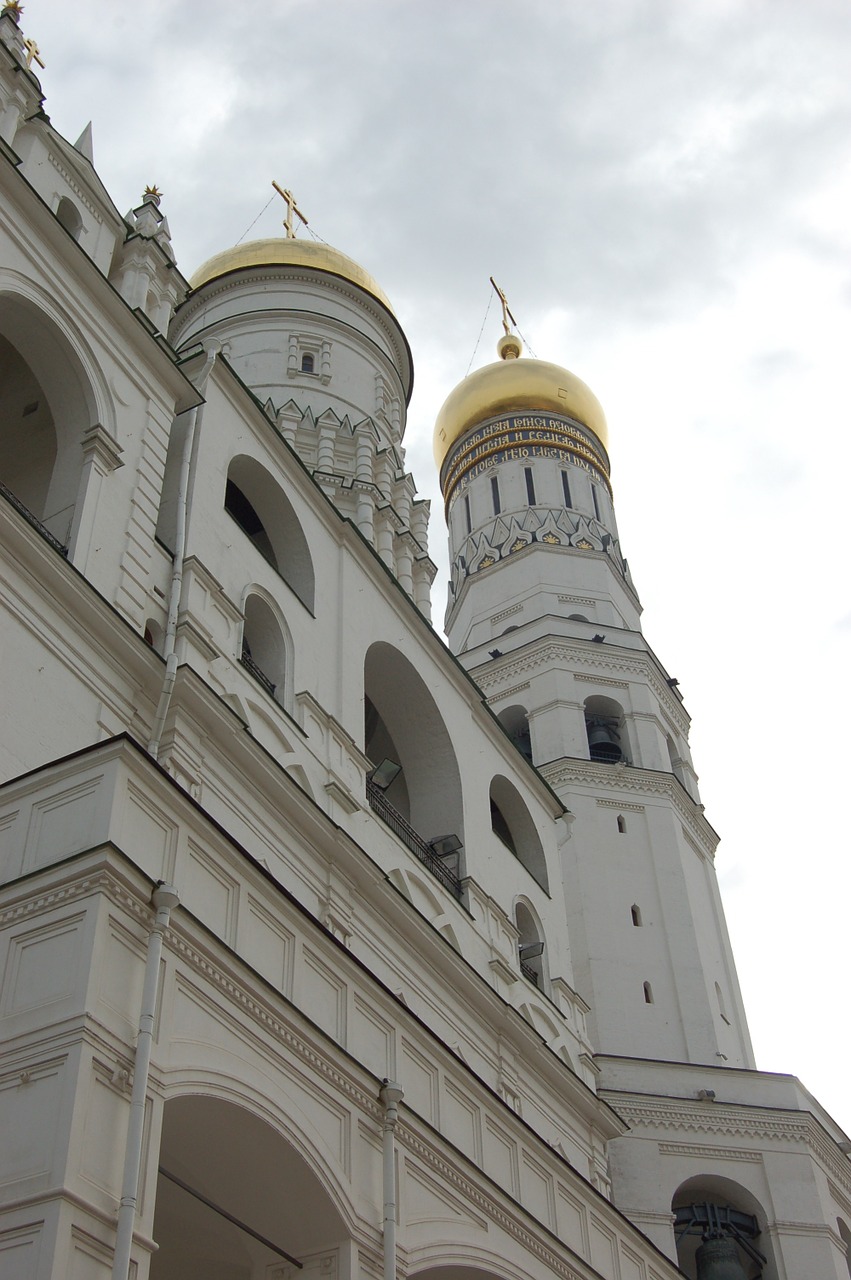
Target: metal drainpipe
175,591
391,1095
164,899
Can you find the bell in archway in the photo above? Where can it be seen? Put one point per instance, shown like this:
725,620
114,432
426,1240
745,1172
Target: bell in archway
718,1259
603,742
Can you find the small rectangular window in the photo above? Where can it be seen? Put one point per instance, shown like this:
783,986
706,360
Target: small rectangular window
596,501
495,494
530,486
467,516
565,484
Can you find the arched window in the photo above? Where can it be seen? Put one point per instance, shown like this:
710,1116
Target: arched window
265,515
722,1008
154,635
530,945
236,1155
604,725
264,649
46,406
740,1245
635,912
307,363
415,784
512,823
676,761
845,1237
515,722
648,993
69,215
621,824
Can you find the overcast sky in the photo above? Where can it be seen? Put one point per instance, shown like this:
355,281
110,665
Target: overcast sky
662,188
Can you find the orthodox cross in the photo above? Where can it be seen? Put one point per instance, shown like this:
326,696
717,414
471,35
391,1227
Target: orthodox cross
506,313
292,208
33,53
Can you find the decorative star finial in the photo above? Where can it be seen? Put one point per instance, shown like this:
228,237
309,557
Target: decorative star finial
14,8
153,191
292,208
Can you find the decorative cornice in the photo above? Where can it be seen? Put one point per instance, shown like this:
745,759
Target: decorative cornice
709,1153
506,613
621,804
509,1223
571,771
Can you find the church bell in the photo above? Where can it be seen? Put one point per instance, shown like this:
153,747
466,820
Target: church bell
718,1259
603,742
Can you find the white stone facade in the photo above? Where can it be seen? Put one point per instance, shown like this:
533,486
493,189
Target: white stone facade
216,588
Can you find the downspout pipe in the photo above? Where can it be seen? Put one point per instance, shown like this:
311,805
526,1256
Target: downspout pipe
390,1095
176,587
164,899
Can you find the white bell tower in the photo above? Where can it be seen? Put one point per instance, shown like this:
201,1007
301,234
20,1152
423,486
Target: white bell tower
543,613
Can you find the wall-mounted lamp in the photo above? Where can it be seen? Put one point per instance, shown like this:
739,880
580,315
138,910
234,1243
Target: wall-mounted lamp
445,846
385,773
531,950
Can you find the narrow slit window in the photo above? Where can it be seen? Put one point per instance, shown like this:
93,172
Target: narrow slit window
719,995
565,485
530,486
596,501
467,515
621,824
648,993
635,912
497,506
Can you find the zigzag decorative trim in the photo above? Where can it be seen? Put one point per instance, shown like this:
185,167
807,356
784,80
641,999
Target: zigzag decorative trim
709,1153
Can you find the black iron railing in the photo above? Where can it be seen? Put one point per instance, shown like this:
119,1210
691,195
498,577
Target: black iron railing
259,675
391,816
530,973
33,520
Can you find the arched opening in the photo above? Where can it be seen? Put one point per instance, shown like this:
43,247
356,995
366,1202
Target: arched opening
845,1237
154,634
512,823
415,786
307,363
722,1007
69,215
265,515
46,406
577,617
234,1198
530,945
676,761
621,825
635,912
264,648
515,722
719,1223
604,725
648,993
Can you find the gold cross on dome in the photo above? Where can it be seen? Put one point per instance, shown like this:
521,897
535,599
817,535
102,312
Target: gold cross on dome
506,313
33,53
292,208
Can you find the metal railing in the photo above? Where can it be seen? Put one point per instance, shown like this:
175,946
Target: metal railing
530,973
391,816
259,675
33,520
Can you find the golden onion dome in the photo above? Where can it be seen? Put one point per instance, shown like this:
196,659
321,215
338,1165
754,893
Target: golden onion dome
515,385
280,251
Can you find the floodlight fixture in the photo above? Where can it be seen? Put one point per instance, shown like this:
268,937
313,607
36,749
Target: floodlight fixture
385,773
531,950
445,846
